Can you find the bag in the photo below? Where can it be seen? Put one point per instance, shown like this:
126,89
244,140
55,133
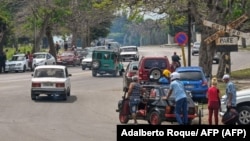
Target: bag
230,117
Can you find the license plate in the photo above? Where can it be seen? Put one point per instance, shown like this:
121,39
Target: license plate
48,84
189,86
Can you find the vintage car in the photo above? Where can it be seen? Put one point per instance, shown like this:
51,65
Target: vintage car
18,63
87,61
106,61
68,58
50,80
129,53
155,109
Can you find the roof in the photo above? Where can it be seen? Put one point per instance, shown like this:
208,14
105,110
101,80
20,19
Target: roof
51,66
106,50
20,54
189,68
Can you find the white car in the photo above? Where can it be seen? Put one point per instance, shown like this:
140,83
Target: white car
129,53
50,80
18,63
242,106
87,61
43,58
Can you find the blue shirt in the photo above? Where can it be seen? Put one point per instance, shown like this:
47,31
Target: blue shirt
178,89
163,80
230,89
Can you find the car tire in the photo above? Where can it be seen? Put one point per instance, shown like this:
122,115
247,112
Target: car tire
156,74
83,68
65,96
154,118
94,73
33,96
244,113
68,92
24,68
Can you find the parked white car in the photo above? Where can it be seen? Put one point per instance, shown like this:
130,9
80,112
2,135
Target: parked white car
129,53
242,106
43,58
18,63
50,80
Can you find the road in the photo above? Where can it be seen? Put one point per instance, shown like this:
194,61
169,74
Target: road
88,115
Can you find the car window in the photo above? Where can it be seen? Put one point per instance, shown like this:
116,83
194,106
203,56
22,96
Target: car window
129,49
155,63
39,56
18,58
49,72
191,75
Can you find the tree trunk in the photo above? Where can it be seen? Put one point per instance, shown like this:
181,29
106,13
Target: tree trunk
52,49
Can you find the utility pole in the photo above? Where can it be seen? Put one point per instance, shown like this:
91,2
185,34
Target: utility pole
189,33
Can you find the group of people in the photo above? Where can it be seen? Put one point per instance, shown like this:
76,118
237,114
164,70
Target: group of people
176,88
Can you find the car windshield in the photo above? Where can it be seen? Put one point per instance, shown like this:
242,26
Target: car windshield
39,56
49,72
67,54
191,75
155,63
129,49
18,58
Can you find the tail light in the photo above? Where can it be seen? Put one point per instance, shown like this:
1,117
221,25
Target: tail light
36,84
130,74
168,109
60,85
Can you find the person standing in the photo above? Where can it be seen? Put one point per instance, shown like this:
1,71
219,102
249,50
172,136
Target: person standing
230,92
213,96
165,78
30,60
134,92
177,88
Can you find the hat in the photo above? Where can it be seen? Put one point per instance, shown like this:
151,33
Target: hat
226,76
166,73
175,75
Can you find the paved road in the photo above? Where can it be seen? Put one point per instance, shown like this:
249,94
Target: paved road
88,115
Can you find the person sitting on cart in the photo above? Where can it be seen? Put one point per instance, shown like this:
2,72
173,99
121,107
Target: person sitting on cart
134,95
165,79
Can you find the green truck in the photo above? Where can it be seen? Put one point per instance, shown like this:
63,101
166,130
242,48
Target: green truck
107,61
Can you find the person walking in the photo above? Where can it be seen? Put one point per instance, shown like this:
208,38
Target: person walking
213,96
134,92
230,96
177,88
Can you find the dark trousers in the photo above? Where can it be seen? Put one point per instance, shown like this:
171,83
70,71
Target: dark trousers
2,67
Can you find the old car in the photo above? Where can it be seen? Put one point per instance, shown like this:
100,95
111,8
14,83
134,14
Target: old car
68,58
50,80
242,106
18,63
129,53
130,71
107,61
43,58
87,61
196,48
155,109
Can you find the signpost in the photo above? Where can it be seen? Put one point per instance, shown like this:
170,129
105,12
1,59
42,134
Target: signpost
181,38
228,29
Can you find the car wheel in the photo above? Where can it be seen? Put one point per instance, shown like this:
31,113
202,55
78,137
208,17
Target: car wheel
65,96
68,93
154,118
155,74
244,115
83,68
120,73
24,68
33,96
94,73
123,118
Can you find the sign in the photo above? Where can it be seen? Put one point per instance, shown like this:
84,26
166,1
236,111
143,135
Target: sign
227,41
181,38
228,28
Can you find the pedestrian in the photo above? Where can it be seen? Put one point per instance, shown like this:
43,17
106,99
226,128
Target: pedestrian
134,92
176,59
2,62
230,92
57,47
65,46
213,96
29,56
177,88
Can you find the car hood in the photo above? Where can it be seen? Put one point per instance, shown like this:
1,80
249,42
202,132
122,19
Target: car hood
48,79
13,62
128,53
241,93
87,60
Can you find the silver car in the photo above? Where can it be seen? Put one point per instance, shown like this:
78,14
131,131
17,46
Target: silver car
196,48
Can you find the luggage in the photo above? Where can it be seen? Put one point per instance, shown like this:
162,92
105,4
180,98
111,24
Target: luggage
230,117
